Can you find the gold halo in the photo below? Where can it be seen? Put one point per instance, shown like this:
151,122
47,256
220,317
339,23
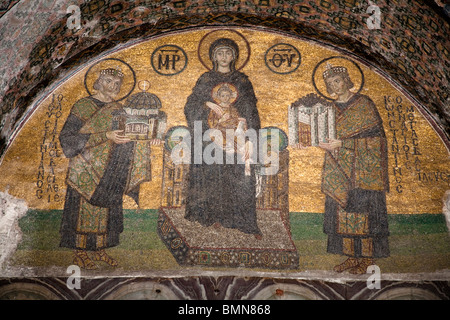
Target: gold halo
233,90
129,77
354,71
209,38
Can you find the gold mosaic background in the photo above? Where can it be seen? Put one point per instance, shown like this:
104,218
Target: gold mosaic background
412,192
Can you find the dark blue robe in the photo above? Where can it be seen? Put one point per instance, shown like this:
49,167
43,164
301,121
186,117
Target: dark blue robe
221,192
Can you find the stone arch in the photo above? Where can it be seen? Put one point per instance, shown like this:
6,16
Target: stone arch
288,291
26,291
407,293
142,290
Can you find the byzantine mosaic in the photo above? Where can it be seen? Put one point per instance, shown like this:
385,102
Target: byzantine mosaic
371,188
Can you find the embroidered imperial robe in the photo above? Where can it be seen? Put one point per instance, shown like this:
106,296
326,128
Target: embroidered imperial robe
355,181
100,172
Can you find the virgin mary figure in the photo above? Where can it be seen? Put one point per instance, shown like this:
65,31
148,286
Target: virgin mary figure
221,194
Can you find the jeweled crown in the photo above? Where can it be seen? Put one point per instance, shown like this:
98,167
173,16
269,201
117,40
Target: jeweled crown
112,71
331,71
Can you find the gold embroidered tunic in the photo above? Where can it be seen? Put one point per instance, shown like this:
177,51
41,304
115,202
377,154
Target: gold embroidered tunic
99,174
355,180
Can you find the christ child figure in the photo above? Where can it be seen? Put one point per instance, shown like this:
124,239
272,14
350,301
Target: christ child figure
225,116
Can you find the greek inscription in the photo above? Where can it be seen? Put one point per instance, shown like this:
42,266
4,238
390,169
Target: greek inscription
282,58
169,60
47,186
405,144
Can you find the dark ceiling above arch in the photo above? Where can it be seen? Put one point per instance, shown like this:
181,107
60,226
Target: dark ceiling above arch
402,48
